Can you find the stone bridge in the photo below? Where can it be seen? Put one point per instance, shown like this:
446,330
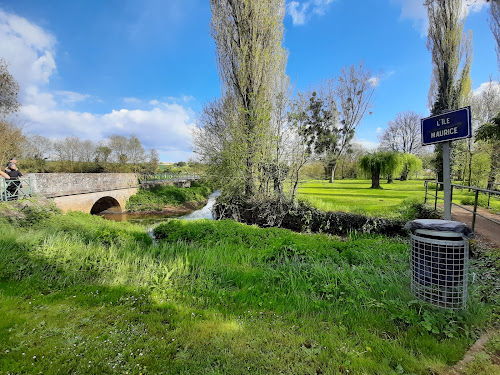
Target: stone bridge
91,192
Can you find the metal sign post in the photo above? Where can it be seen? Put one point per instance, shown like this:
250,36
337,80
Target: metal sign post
444,128
446,180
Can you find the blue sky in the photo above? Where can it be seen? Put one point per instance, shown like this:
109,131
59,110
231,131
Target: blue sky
94,68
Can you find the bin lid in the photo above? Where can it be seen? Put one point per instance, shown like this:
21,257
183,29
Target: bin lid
440,226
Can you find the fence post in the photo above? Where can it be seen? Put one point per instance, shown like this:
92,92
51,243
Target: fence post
426,187
436,198
489,196
475,210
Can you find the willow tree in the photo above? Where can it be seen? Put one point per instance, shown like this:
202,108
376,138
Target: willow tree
381,162
248,35
451,61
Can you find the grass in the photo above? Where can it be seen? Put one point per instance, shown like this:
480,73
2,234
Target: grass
357,197
156,198
79,294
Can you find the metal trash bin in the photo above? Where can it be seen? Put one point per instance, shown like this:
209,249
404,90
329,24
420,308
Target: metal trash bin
439,261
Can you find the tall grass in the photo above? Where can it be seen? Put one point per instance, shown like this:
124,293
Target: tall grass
82,295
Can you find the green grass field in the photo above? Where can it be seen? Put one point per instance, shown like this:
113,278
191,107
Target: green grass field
82,295
356,196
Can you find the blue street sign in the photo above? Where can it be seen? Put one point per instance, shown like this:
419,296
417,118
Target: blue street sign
448,126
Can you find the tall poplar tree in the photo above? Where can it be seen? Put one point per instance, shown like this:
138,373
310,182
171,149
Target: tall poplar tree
248,35
451,61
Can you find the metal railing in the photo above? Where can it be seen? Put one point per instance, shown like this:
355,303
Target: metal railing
158,177
476,190
15,189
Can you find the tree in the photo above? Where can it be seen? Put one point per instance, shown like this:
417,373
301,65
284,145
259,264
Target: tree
451,61
87,151
381,162
102,153
153,161
11,134
251,62
9,90
119,145
402,134
329,130
408,165
68,149
490,133
135,151
12,139
495,25
317,123
37,147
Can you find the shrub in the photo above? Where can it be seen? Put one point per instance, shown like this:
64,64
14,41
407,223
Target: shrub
302,217
413,208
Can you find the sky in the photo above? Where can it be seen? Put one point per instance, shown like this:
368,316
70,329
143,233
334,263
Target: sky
95,68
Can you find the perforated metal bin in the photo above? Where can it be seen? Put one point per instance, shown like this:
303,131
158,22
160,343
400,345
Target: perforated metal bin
439,263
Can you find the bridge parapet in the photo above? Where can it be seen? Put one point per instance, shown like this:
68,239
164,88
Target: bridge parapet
61,184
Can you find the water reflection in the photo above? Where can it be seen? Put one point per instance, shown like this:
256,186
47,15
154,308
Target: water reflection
154,218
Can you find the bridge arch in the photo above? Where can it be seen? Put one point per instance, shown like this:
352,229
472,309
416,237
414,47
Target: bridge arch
106,203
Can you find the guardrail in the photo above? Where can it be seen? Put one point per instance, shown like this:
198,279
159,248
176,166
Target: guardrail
15,189
474,212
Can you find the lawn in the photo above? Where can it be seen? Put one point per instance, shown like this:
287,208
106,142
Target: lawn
356,196
79,294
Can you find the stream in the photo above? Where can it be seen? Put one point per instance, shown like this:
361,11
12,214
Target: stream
151,219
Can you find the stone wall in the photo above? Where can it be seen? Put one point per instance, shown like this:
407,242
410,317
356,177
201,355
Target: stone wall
61,184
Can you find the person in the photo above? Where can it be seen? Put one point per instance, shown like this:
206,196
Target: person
4,175
14,183
12,161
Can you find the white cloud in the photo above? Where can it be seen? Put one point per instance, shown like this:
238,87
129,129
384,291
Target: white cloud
301,11
374,81
28,49
167,129
379,130
493,85
30,52
132,100
71,97
366,143
416,11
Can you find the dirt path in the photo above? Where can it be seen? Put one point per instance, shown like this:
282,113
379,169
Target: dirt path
487,231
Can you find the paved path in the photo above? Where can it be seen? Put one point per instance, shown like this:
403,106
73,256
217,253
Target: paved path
486,230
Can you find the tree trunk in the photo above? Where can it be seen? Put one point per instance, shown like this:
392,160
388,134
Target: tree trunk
375,180
438,162
495,167
389,179
332,176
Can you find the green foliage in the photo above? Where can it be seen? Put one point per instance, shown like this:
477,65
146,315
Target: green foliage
381,162
489,132
217,297
159,196
414,208
408,165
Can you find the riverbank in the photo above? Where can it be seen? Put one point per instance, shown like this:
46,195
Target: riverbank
169,199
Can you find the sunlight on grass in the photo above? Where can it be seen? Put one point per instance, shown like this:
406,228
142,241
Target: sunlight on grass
356,196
